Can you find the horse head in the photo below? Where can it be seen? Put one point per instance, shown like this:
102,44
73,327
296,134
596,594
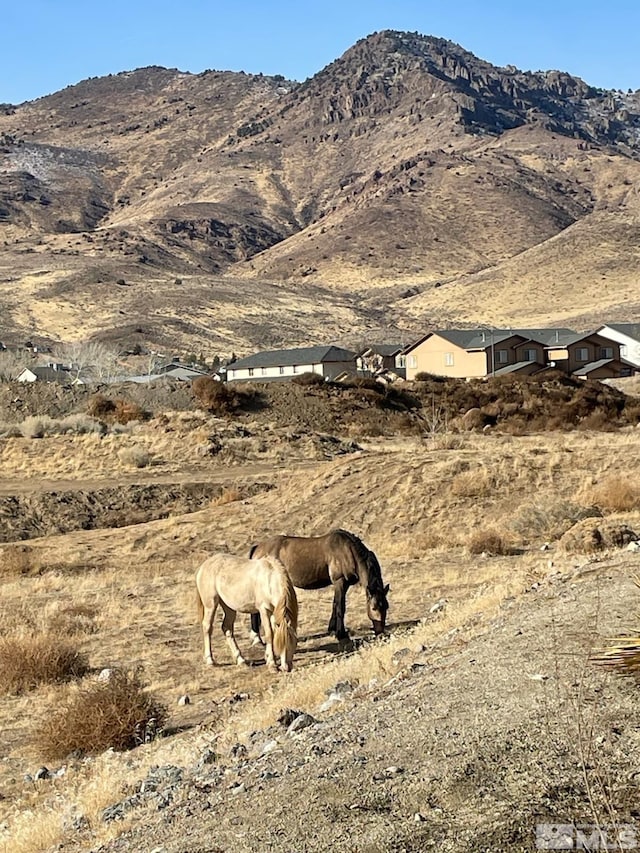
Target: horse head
377,604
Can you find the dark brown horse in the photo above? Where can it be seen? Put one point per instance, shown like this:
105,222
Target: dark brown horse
337,558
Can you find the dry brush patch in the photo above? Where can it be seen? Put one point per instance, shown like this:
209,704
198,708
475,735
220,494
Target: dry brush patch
115,712
29,661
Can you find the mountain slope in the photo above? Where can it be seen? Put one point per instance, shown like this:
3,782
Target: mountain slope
407,167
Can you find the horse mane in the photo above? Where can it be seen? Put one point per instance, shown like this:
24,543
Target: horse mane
285,613
366,556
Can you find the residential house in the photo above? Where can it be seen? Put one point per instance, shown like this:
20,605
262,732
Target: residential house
588,356
476,353
326,361
52,372
381,360
628,336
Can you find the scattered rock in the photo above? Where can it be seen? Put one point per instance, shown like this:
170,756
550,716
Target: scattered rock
302,721
184,700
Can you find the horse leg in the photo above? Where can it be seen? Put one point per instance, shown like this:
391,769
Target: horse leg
336,623
227,629
207,624
254,633
268,637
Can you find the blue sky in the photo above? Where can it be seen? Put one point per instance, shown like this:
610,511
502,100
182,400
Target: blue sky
49,44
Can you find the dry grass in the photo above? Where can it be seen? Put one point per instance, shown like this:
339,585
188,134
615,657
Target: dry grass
615,493
93,716
16,560
396,496
229,494
28,661
489,542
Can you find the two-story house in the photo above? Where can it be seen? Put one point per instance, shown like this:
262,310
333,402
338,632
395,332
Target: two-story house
627,335
477,353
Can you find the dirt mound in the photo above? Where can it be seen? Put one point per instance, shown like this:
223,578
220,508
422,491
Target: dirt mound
50,513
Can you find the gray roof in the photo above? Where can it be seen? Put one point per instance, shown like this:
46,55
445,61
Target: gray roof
289,357
514,368
384,349
48,374
593,365
632,330
482,338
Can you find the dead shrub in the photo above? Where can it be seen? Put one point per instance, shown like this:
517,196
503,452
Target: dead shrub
309,379
221,398
27,661
100,406
73,620
18,560
116,713
134,457
126,411
474,483
488,542
229,494
614,494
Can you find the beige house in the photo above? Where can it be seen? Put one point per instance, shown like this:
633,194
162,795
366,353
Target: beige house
476,353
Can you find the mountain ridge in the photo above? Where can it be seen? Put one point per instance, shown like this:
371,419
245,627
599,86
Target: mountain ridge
390,186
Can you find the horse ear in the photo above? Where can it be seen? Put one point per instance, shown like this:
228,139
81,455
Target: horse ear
386,589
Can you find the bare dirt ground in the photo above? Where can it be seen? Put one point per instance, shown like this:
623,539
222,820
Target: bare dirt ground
478,717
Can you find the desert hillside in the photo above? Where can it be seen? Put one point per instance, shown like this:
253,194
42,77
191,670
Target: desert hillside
407,184
507,539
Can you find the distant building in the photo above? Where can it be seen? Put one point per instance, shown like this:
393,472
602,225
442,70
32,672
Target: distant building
627,335
326,361
476,353
52,372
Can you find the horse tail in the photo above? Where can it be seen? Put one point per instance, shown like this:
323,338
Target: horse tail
285,617
253,550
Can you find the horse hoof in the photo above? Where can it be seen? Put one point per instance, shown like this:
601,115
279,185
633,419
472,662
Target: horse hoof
209,662
257,641
241,662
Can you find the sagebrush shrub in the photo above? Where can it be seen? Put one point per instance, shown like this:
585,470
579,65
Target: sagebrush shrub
135,457
488,542
37,426
615,494
27,661
96,715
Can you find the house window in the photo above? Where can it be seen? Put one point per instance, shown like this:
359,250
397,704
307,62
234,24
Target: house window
264,371
295,368
582,354
530,355
251,371
502,356
623,349
412,361
401,361
606,352
281,369
448,359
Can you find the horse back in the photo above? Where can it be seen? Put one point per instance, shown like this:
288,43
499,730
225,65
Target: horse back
304,558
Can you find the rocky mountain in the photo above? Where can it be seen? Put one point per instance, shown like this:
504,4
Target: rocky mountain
408,183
